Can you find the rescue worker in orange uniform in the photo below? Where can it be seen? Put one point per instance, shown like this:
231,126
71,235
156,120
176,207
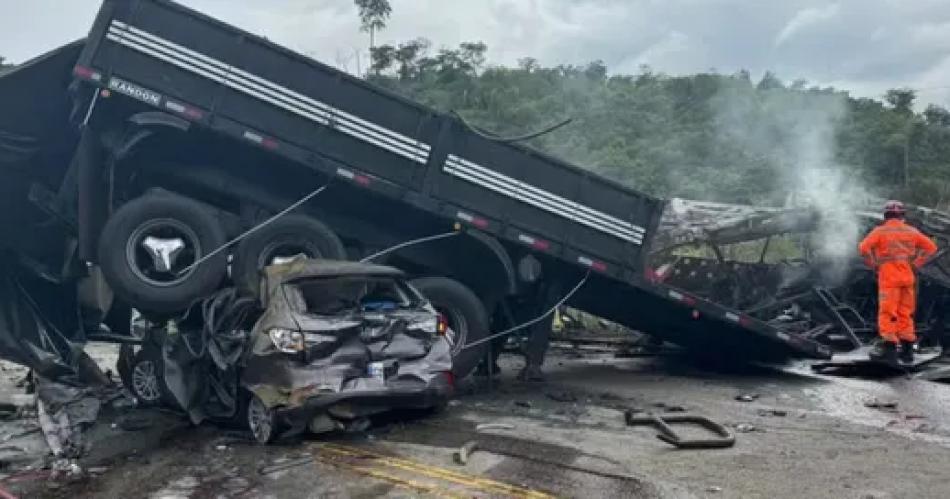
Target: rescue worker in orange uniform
896,249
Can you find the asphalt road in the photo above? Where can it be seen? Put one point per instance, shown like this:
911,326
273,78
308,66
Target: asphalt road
803,435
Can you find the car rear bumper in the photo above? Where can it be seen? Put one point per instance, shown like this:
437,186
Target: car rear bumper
436,392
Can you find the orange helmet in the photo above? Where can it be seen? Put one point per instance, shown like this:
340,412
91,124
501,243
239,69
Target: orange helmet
894,209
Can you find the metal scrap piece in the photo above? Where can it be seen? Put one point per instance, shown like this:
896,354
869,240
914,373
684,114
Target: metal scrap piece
467,449
494,426
724,438
274,468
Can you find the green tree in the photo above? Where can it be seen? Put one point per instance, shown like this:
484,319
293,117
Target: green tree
901,99
373,17
937,115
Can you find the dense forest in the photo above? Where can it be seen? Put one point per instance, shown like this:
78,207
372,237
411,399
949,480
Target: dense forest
711,136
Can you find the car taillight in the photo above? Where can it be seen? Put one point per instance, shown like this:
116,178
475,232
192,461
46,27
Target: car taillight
442,325
450,378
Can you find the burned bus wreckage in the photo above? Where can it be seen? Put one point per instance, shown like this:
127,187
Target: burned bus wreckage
153,171
775,264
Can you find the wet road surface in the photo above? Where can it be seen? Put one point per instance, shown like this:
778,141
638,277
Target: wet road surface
803,435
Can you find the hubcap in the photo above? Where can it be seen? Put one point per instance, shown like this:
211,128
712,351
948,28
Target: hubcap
259,420
159,251
164,252
145,381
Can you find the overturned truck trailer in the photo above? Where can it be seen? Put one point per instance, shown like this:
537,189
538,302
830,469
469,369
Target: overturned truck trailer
140,153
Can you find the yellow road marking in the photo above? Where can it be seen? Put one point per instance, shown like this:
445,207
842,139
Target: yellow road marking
444,474
402,482
434,472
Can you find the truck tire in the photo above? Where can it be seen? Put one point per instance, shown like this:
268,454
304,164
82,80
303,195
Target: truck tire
285,237
466,316
147,242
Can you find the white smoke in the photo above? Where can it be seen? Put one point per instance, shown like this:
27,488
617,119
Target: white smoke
796,133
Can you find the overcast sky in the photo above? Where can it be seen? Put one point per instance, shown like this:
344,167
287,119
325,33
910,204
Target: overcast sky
865,46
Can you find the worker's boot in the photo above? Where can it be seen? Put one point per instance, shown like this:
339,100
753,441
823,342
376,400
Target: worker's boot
906,354
884,351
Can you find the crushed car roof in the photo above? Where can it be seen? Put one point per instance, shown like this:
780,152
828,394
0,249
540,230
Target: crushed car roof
305,268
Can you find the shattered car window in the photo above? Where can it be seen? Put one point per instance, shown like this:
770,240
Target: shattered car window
344,294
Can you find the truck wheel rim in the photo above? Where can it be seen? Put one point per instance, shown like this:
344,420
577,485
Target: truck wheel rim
458,327
165,266
259,420
281,251
145,381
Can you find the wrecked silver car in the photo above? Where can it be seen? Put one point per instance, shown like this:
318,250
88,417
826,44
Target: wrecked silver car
331,344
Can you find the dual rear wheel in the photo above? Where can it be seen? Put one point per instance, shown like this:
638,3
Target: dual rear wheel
161,252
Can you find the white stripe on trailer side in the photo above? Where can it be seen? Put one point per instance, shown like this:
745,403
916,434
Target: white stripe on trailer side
585,210
337,113
221,76
542,199
520,195
267,91
581,210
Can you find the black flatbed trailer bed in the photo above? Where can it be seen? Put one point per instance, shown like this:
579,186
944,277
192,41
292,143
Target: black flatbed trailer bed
170,58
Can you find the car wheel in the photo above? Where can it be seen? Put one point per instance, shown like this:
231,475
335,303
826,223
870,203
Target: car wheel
261,420
146,378
283,239
148,246
466,316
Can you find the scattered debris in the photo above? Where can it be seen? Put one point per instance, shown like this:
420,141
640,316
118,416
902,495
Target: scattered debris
64,467
465,451
772,412
746,428
887,406
714,489
274,468
494,426
523,403
747,397
64,412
